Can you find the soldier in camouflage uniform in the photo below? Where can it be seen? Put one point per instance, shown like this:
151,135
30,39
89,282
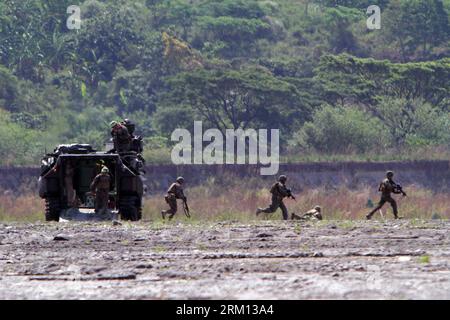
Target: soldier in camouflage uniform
175,192
387,186
279,191
314,214
100,186
121,137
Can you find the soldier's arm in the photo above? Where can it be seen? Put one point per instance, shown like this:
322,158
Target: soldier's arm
283,190
181,194
94,184
171,188
399,190
286,192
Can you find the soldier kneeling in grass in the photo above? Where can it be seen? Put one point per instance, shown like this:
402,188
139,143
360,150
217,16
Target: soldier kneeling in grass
175,192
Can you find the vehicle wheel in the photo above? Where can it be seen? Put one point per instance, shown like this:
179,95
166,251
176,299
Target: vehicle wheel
127,208
52,209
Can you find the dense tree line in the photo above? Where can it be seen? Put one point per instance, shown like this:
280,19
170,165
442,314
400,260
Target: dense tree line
309,67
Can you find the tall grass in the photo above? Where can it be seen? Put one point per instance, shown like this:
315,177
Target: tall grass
212,202
238,203
27,207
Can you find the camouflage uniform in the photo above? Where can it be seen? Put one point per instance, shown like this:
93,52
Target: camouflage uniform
279,191
121,138
314,214
387,186
174,192
101,186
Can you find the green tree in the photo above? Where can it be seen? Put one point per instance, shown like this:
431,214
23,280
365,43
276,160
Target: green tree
8,88
414,121
341,130
337,22
238,99
346,79
416,26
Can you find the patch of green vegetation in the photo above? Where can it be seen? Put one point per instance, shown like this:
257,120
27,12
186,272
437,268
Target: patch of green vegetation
202,247
159,249
424,259
346,224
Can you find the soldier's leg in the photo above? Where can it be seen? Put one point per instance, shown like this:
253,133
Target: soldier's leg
172,202
105,200
164,212
101,201
173,208
394,207
272,208
284,211
295,216
378,207
97,202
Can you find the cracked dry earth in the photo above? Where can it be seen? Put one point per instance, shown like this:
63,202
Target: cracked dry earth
230,260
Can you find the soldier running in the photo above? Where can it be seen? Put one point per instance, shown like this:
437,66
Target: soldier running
313,214
121,137
100,186
175,192
388,186
279,191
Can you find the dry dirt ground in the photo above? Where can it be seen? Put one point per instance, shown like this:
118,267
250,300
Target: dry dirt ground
260,260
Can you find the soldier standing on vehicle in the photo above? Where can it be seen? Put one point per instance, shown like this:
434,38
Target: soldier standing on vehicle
313,214
175,192
136,143
100,186
388,186
279,191
121,137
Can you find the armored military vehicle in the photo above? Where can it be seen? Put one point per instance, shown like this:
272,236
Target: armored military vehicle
66,175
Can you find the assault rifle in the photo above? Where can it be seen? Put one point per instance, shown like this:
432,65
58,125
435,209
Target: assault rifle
290,195
186,208
399,188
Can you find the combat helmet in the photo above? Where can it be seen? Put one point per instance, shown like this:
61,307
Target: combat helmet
282,178
318,208
112,124
129,125
180,180
389,173
105,170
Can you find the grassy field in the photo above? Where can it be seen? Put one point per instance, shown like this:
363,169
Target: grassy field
215,203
